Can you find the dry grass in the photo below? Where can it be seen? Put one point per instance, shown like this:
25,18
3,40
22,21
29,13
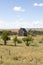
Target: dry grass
21,55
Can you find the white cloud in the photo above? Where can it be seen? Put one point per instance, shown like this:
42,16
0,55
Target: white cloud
12,25
19,24
37,24
38,4
18,8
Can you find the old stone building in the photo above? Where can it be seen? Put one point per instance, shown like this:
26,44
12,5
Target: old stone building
22,32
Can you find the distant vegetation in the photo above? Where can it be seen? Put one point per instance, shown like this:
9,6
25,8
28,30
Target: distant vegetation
6,35
29,32
34,32
9,32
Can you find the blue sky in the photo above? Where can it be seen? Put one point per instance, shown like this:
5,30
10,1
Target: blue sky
21,13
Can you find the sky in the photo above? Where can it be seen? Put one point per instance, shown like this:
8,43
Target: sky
21,14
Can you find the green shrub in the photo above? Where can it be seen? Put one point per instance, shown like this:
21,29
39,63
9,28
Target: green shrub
15,40
27,39
19,41
5,37
41,41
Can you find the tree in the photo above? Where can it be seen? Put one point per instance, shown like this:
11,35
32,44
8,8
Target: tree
27,40
15,40
5,37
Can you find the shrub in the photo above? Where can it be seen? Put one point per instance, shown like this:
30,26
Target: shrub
5,37
19,41
15,40
27,40
41,41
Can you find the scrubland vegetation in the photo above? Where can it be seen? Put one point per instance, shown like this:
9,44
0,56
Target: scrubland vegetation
21,50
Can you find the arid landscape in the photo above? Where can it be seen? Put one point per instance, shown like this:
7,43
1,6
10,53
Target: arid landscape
22,54
21,32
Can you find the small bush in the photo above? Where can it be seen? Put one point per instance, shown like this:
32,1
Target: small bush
5,37
19,41
15,40
34,44
41,41
28,39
